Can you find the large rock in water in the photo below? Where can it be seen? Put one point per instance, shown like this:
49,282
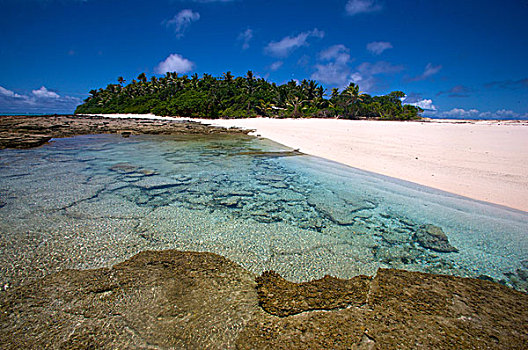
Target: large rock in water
432,237
342,211
172,299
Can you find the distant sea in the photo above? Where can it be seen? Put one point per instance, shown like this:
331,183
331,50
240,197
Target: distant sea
474,118
34,114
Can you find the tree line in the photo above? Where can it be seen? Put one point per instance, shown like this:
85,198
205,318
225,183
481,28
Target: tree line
240,97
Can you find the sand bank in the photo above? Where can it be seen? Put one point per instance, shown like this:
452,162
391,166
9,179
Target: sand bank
486,161
483,160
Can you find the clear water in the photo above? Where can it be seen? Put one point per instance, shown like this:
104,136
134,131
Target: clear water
92,201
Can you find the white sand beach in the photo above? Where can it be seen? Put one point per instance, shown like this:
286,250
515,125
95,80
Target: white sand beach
487,161
483,160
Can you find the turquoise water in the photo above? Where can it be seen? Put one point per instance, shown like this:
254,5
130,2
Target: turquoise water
92,201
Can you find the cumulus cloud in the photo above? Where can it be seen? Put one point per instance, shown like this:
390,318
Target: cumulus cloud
174,63
8,93
41,100
337,53
276,65
355,7
181,21
45,93
413,97
377,47
416,99
332,74
245,37
287,45
334,69
425,104
429,71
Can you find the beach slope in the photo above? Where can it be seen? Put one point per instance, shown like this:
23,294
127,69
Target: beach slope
483,160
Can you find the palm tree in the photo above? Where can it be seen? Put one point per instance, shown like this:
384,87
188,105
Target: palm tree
335,94
351,95
142,78
297,105
266,108
249,75
228,77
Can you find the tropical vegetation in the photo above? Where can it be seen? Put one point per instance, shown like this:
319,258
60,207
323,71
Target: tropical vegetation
240,97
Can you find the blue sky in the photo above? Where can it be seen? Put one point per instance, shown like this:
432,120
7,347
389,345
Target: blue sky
453,58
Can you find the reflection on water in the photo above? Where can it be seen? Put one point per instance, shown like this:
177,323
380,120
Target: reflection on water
92,201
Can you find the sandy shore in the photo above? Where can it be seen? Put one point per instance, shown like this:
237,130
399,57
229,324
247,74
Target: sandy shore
487,161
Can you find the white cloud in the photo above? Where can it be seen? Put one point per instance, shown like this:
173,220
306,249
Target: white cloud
503,114
332,73
377,47
245,37
174,63
288,44
181,21
8,93
336,71
276,65
458,113
366,82
39,101
355,7
425,104
338,53
44,93
429,71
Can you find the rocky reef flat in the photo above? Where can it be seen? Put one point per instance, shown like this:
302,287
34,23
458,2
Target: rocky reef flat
173,299
34,131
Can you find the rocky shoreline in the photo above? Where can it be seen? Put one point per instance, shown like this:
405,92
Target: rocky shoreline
173,299
34,131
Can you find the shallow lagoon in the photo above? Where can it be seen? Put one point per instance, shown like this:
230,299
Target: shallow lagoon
92,201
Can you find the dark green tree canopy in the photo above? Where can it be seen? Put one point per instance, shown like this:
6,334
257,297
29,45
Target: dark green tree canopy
240,97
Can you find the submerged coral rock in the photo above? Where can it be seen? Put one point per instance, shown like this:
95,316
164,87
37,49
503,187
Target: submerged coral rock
402,310
342,211
165,299
34,131
283,298
171,299
432,237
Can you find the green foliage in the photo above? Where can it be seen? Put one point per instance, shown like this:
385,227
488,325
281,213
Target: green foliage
241,97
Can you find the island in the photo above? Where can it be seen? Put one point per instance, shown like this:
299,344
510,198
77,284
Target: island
242,97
